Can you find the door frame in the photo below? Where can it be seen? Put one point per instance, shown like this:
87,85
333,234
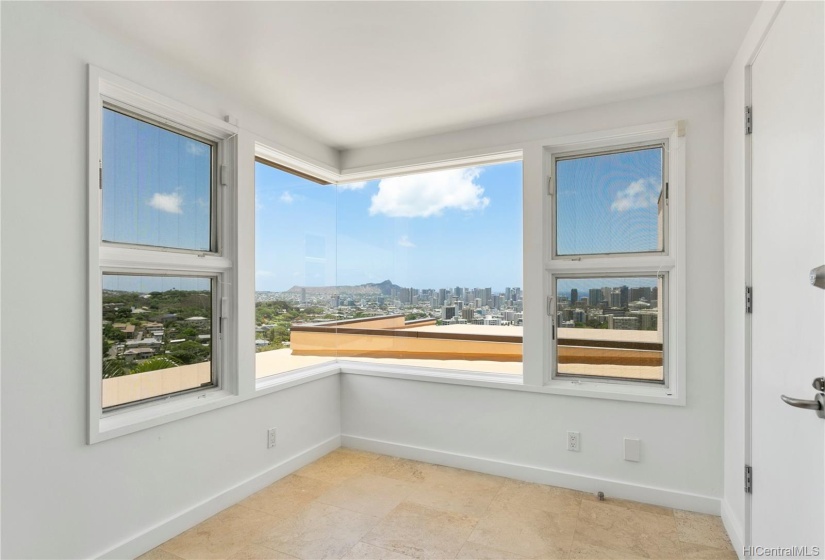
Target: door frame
748,361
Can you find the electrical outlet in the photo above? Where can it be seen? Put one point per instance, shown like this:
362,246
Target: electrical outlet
574,441
272,439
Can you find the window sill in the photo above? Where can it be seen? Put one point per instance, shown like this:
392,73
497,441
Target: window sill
128,421
587,389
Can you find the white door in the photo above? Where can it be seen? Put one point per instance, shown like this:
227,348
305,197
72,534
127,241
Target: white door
788,321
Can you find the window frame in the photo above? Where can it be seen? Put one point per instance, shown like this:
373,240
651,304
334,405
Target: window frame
669,261
112,92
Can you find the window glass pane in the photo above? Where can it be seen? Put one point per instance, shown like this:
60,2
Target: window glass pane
157,185
610,327
420,270
610,203
157,336
294,265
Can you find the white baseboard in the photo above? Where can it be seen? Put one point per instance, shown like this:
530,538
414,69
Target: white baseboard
611,488
173,526
735,530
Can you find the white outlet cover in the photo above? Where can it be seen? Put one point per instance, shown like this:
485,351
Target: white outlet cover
574,441
632,450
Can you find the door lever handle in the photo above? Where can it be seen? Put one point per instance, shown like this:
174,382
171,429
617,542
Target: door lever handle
818,404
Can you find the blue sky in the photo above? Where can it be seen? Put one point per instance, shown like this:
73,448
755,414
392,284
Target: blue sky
609,203
444,229
156,185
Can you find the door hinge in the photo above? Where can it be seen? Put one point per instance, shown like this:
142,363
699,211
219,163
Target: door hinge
100,175
748,120
748,479
550,185
667,191
748,299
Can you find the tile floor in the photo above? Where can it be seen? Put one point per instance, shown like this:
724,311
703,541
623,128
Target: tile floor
356,505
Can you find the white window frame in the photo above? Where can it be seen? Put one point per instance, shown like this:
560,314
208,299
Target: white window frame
669,263
218,263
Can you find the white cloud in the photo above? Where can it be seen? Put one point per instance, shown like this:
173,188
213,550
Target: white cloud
196,148
167,202
353,186
287,198
429,194
405,242
264,273
643,193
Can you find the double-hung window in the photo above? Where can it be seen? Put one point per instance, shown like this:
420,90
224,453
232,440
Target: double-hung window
613,300
161,261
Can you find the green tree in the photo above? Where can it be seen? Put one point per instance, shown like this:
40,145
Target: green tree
190,352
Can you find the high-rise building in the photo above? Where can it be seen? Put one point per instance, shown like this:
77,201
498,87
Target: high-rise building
622,323
447,312
595,296
574,296
624,291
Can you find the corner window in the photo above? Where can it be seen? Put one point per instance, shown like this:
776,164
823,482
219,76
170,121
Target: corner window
415,271
612,266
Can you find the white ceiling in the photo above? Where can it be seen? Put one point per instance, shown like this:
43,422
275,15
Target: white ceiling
351,74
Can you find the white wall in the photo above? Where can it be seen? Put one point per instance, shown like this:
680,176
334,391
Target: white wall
682,446
61,497
736,390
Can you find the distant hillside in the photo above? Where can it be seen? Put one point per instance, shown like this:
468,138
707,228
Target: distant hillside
385,288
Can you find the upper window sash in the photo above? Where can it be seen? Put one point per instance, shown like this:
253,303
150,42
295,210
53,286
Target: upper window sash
557,191
189,147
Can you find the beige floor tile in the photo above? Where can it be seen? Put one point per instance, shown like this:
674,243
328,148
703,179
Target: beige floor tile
258,552
584,551
422,532
529,532
222,535
474,551
368,494
320,531
627,531
628,504
338,466
458,491
364,551
401,469
691,551
552,499
288,496
698,528
158,554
